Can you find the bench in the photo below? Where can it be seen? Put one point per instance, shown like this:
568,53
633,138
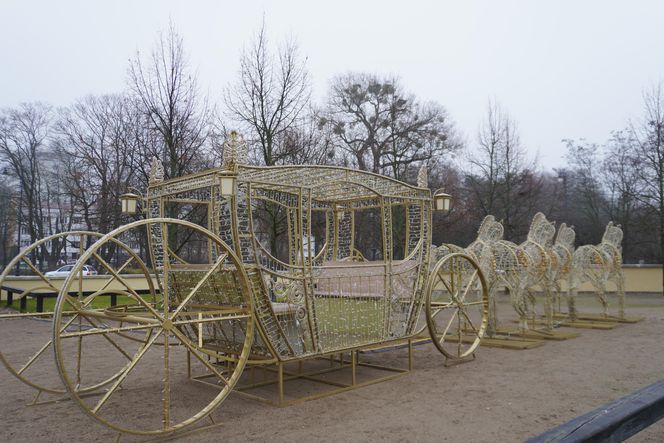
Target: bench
40,296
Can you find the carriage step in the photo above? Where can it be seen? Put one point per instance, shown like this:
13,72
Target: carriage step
537,334
601,318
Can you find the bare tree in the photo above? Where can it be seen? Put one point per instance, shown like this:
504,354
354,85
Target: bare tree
621,170
167,95
383,129
98,143
8,221
307,143
24,133
586,199
649,137
501,179
270,96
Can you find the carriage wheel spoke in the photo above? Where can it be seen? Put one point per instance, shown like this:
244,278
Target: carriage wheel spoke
75,313
472,325
126,285
34,357
447,328
439,308
446,284
125,372
450,288
108,330
459,332
110,280
199,284
194,350
166,391
470,284
229,316
109,339
28,262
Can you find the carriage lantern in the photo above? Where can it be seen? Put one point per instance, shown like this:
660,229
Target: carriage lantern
441,200
129,203
227,185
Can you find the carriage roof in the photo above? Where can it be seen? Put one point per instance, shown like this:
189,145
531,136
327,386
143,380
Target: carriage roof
326,183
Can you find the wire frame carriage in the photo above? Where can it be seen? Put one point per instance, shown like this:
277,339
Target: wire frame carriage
221,297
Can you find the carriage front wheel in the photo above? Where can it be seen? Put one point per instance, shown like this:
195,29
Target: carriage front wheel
457,305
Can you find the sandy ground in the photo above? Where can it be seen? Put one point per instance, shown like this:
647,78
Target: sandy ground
503,395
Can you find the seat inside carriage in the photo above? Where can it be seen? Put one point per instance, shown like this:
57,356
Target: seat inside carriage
346,270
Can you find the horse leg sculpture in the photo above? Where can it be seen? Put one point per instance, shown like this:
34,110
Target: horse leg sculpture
548,305
520,306
620,284
558,297
493,312
601,294
572,291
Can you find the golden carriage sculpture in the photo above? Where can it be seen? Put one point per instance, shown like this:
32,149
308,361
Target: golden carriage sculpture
220,298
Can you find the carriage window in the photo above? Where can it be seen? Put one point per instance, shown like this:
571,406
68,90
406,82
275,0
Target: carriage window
369,233
318,227
270,227
185,244
398,232
192,212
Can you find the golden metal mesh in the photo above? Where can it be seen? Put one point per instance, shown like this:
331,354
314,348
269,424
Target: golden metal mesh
599,264
315,300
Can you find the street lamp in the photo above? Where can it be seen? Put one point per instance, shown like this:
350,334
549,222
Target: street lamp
441,201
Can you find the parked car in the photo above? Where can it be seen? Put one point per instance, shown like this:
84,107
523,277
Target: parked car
65,270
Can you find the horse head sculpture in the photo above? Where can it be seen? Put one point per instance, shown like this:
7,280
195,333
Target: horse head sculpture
566,236
541,230
490,230
613,235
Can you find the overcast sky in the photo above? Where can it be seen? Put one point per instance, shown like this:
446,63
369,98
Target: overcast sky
562,69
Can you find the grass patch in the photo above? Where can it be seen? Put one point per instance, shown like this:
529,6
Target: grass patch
348,318
49,303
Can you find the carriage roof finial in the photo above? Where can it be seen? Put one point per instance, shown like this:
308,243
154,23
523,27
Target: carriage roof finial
234,151
422,177
156,171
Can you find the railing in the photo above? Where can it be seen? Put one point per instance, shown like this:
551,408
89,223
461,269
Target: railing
614,422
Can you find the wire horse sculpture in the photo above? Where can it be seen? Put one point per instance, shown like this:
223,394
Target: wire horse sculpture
538,247
482,249
599,265
516,267
219,297
563,251
523,266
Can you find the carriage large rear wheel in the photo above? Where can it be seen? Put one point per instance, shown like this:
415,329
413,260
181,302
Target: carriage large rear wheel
457,305
32,362
196,316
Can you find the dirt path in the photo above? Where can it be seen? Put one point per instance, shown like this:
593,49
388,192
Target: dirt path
502,396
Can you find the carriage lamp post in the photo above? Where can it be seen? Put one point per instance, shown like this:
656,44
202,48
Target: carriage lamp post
441,200
129,202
